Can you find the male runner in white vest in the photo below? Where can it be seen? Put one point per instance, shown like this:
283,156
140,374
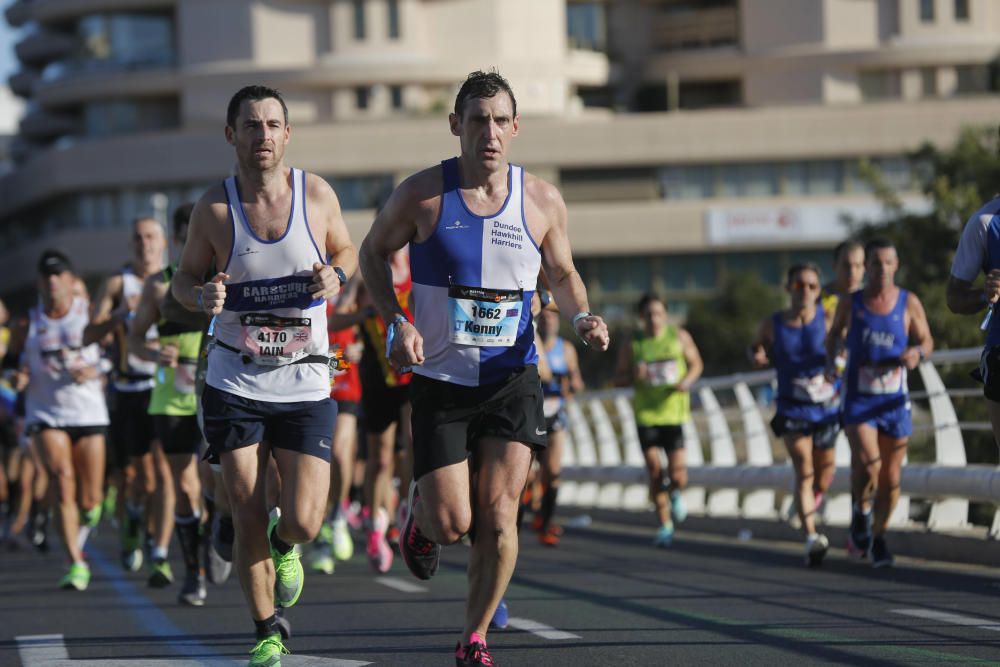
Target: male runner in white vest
479,229
278,236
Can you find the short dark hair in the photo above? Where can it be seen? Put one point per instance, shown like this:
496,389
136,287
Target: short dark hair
648,298
483,85
876,244
182,215
252,94
845,246
795,269
53,262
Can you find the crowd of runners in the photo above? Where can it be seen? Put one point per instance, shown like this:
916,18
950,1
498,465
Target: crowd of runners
277,392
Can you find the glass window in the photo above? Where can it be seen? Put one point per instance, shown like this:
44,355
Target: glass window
115,41
688,182
393,16
928,80
108,118
361,192
361,97
972,79
625,274
793,178
926,10
880,85
961,10
585,25
748,180
359,19
682,272
824,177
766,265
896,172
855,179
396,95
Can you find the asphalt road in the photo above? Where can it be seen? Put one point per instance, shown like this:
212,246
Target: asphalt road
603,597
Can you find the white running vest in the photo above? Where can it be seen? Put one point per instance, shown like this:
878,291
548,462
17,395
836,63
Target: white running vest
269,314
53,348
130,364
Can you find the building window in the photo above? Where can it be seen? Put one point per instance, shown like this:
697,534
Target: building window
961,10
880,85
392,10
396,97
927,10
359,19
972,79
585,25
362,96
928,80
358,193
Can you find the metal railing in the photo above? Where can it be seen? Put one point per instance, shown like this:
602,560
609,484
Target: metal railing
603,464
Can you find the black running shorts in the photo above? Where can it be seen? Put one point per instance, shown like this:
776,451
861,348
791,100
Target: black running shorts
232,422
131,431
824,434
668,436
449,419
989,373
178,434
75,433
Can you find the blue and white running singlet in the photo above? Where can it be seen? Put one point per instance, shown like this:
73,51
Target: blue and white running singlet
473,280
876,379
799,358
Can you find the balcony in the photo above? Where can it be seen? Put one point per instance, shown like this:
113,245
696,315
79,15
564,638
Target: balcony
44,46
40,125
18,13
23,83
696,29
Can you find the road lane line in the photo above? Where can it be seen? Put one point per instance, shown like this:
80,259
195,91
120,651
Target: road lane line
540,629
401,585
39,649
947,617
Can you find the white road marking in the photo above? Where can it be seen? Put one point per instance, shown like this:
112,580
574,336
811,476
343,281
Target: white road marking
50,651
539,629
954,619
401,585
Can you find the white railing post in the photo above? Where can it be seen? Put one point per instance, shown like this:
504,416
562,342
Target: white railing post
722,502
635,496
694,496
949,448
756,504
610,495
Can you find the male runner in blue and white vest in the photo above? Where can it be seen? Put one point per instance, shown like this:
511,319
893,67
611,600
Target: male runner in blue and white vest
278,235
479,228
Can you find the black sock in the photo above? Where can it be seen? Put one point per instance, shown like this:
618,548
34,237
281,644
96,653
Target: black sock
279,544
548,505
267,627
188,531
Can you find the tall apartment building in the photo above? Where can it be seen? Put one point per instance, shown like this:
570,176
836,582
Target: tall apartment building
691,138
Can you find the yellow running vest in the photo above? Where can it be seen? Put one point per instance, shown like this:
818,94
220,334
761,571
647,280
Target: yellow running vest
656,401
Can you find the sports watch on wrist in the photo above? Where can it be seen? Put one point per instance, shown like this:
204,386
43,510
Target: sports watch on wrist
341,276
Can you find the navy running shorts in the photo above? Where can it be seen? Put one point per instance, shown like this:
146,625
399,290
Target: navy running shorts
668,436
449,419
895,423
824,434
232,422
178,434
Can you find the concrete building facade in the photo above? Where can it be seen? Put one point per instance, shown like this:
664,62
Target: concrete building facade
691,138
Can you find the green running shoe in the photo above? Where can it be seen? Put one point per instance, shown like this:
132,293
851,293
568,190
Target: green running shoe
90,518
288,575
321,559
267,652
110,502
160,574
343,545
78,577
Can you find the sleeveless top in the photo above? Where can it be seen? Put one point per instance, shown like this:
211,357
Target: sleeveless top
553,389
473,280
270,315
374,365
52,349
656,400
799,357
876,380
174,388
132,373
346,384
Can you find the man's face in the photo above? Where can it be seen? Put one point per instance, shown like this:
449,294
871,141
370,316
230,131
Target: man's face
56,286
260,134
803,288
850,268
654,317
485,129
148,242
881,266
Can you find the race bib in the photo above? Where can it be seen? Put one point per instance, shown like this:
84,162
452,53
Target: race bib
815,389
185,375
551,405
275,341
877,381
664,373
484,317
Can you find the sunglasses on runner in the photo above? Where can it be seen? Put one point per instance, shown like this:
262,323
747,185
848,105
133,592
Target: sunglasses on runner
802,285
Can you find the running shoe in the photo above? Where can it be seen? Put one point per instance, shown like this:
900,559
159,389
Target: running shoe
678,508
879,553
537,523
343,545
223,536
267,652
289,578
859,536
501,617
378,549
77,577
193,592
474,653
217,567
351,511
131,541
160,574
550,536
321,559
109,503
392,535
664,536
420,554
816,547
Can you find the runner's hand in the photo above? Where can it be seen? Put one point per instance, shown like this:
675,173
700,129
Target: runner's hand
213,294
407,347
326,283
992,287
594,332
169,354
910,357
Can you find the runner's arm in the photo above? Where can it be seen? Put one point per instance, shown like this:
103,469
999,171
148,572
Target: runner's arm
625,374
573,378
921,343
692,356
762,343
197,257
337,240
837,335
104,316
146,315
966,299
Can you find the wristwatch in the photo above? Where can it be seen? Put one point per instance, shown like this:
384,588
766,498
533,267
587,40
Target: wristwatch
340,275
390,332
